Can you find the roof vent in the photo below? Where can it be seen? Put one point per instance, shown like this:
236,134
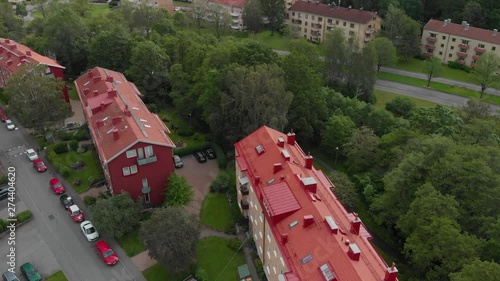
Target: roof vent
277,167
355,224
7,41
354,252
464,23
290,138
495,32
9,62
466,26
285,153
127,111
392,273
281,142
309,161
22,57
309,183
260,149
96,93
327,272
96,79
99,123
116,120
90,74
109,79
86,91
111,93
331,224
116,135
103,106
308,220
28,53
284,238
13,46
256,180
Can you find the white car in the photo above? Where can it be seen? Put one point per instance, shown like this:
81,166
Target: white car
32,156
89,231
10,125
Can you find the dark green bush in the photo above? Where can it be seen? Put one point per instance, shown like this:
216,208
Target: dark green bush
102,195
234,244
88,146
65,171
89,200
3,180
221,156
221,182
191,148
24,216
65,136
80,150
201,274
152,107
91,180
73,144
60,148
82,134
185,132
51,155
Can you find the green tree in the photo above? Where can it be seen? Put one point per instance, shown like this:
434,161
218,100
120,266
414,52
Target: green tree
344,189
486,71
436,120
145,16
275,12
252,15
338,130
432,68
81,7
199,13
171,236
474,14
164,27
401,107
220,19
403,31
180,20
361,149
478,270
37,101
21,10
476,108
385,51
116,216
178,192
116,41
11,26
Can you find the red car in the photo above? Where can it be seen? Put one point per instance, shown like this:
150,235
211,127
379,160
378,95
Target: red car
39,165
3,118
57,186
76,214
105,252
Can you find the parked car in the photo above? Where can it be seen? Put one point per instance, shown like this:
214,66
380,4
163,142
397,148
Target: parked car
75,213
210,153
89,231
30,272
57,186
178,162
104,251
4,118
39,165
66,201
9,276
31,154
200,157
10,125
4,192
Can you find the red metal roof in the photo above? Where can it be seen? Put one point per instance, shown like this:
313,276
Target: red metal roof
459,30
241,163
317,239
232,3
112,106
317,8
280,199
17,54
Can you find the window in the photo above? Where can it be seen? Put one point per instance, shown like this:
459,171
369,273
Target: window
345,23
452,47
47,70
312,17
260,234
440,53
131,153
133,169
433,35
442,45
453,39
320,19
465,42
351,33
444,37
140,153
449,55
330,21
145,183
463,50
148,150
305,30
352,25
147,198
493,48
481,46
336,22
305,23
126,171
268,237
307,16
478,53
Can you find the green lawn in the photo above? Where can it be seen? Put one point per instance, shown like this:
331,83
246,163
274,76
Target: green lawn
158,273
73,94
275,41
179,121
131,243
213,255
97,10
58,276
384,97
182,4
216,213
458,91
417,65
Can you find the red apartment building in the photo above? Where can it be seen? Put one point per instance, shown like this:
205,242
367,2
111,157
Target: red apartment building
133,145
301,230
14,55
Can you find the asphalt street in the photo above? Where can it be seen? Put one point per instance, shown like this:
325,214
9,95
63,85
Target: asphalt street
51,240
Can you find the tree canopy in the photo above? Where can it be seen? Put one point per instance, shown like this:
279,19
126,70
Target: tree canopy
178,191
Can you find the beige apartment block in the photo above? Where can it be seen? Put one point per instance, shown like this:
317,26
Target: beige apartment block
233,8
163,4
458,42
314,20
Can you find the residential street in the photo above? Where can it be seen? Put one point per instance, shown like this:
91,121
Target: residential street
51,240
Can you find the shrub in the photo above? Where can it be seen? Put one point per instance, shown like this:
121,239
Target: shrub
191,148
65,136
88,146
260,269
80,150
51,155
65,171
4,180
185,132
454,65
24,216
221,156
102,195
89,200
3,225
234,244
82,134
152,107
73,144
91,180
60,148
221,182
196,137
201,274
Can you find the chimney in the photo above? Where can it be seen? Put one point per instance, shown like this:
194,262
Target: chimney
331,224
309,161
90,74
354,252
13,46
21,57
355,224
7,41
309,184
464,23
308,220
284,238
99,123
466,26
290,138
116,120
257,180
111,93
281,142
445,22
103,106
127,111
392,273
277,167
495,32
86,91
116,134
349,8
97,79
28,53
9,62
109,79
96,93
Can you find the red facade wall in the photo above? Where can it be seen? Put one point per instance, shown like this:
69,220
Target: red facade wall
157,173
58,72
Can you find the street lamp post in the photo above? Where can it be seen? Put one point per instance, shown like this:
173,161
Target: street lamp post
336,152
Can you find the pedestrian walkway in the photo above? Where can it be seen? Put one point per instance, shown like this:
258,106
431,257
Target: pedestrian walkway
210,232
143,261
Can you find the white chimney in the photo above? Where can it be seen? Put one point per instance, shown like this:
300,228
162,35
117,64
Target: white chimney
495,32
466,26
464,23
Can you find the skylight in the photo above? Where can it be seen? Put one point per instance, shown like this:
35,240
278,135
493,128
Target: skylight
86,83
105,118
143,120
292,224
135,108
147,126
327,272
270,181
260,149
307,259
110,131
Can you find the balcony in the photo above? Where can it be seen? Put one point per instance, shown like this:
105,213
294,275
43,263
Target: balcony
472,64
244,205
235,27
147,160
431,39
235,14
316,26
297,21
462,62
244,190
369,30
463,46
461,54
427,55
475,57
236,20
430,47
315,34
479,50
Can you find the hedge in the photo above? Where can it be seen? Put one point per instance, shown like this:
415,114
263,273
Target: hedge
221,156
24,216
221,182
3,225
73,144
60,148
191,148
234,244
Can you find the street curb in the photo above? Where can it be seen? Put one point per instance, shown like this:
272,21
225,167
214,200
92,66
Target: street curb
5,232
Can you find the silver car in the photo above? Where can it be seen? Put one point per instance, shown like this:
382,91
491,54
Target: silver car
178,161
10,125
10,276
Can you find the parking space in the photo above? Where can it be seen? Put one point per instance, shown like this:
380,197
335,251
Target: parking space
200,176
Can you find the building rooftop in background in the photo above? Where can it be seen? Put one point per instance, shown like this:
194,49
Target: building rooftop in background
18,53
232,3
463,30
316,237
116,115
320,9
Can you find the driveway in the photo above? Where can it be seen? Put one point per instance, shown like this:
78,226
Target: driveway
200,176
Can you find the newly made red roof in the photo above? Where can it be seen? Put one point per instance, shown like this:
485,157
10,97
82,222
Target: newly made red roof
232,3
13,55
307,247
460,30
347,14
116,115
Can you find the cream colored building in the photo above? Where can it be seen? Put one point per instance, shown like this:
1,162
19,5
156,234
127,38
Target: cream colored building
458,42
314,20
163,4
233,8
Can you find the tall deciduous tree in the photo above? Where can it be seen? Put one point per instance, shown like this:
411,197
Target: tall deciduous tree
478,270
436,120
178,191
219,18
275,12
36,99
199,13
116,216
474,14
145,16
401,107
252,15
386,52
344,189
403,31
361,149
486,70
432,68
116,41
21,10
171,236
11,26
338,130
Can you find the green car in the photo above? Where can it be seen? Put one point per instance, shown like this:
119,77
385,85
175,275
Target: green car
30,272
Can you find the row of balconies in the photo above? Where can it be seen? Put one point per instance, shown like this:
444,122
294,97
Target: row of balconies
244,192
466,47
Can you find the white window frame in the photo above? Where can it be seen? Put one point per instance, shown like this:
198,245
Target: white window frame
145,182
148,151
126,171
133,169
140,153
131,153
